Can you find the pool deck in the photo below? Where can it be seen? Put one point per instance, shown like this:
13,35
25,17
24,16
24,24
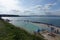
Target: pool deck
44,26
48,37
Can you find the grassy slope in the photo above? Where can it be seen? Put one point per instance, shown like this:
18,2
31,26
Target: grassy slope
10,32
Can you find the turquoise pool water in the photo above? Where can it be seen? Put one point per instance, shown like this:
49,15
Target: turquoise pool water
30,27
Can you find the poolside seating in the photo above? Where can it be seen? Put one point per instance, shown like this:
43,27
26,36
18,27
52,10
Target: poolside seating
52,34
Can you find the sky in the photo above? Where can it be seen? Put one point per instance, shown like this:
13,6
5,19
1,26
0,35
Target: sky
30,7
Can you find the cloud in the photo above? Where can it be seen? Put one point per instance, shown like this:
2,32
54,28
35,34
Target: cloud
57,12
39,9
8,5
14,6
48,6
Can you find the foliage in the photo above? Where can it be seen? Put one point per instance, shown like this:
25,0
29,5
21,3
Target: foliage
10,32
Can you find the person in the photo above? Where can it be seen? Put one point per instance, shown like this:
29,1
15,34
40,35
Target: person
52,29
57,31
38,30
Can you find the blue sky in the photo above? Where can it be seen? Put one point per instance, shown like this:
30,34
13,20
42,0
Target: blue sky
36,2
30,3
30,7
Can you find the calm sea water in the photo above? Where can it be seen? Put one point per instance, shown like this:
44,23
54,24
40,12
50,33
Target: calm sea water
18,21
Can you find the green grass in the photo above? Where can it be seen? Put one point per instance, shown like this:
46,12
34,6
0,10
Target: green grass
10,32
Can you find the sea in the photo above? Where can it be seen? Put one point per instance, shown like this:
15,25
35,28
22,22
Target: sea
23,22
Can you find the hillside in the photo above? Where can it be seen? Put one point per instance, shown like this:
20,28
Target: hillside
10,32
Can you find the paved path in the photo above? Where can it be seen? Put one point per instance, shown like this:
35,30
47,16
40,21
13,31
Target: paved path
50,37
